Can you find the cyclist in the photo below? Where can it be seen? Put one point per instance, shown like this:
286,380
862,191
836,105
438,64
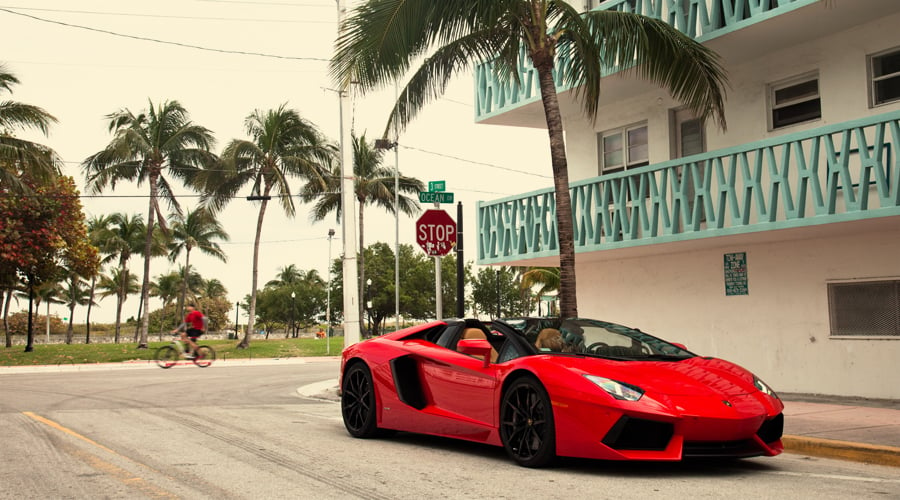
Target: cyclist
193,327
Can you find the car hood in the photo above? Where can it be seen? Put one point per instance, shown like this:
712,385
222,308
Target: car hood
697,376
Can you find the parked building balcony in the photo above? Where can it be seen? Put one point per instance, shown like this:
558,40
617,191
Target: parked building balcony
833,174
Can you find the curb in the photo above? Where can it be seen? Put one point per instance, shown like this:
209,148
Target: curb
842,450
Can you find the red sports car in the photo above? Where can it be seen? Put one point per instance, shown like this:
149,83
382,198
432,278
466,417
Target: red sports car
575,388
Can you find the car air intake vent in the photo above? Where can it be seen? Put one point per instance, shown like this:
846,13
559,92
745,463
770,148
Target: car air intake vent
772,429
639,434
736,449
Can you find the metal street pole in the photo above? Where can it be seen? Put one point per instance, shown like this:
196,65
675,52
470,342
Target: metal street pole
293,298
328,303
396,219
348,214
237,308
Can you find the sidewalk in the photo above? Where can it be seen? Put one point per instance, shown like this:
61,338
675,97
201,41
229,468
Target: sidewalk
855,429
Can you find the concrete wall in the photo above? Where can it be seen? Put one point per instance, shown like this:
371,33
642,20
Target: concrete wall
780,330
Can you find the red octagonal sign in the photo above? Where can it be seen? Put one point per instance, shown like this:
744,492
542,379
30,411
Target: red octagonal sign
436,232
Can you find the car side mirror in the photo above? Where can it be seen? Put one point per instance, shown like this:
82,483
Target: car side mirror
480,348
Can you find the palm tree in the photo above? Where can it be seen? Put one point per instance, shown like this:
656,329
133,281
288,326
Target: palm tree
195,229
288,275
98,228
19,156
122,237
545,278
167,288
213,289
74,293
113,284
373,185
282,145
382,38
144,147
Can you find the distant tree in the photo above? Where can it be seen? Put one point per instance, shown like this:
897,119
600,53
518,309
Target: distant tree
120,285
145,146
282,146
497,287
198,229
73,294
44,233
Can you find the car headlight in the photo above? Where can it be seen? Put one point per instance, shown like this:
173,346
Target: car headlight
763,387
616,389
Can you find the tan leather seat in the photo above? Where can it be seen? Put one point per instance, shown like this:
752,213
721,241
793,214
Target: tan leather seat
549,339
476,333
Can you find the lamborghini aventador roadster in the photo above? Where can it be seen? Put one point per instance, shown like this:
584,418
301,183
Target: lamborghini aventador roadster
575,388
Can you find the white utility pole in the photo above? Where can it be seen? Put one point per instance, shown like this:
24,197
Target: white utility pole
348,212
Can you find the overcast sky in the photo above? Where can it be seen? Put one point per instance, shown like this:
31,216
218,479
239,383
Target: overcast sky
222,59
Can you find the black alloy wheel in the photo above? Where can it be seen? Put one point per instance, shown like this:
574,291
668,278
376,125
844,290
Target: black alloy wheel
358,402
526,423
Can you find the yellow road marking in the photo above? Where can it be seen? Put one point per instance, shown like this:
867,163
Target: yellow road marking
104,466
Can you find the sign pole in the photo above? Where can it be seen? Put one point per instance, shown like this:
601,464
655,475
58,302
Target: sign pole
438,296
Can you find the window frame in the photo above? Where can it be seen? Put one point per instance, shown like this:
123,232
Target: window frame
772,105
832,310
872,79
623,133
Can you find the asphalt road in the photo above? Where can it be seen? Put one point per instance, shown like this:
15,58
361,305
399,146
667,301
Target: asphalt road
245,432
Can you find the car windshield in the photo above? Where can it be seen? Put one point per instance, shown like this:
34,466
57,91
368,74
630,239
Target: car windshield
607,340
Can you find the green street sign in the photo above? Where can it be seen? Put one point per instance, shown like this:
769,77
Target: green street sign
432,197
437,186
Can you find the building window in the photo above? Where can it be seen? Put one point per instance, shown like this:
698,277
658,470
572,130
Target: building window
884,76
865,308
794,101
622,149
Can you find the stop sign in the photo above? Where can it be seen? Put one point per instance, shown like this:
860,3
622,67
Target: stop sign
436,232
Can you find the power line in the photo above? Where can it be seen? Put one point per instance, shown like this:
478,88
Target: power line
162,16
164,42
490,165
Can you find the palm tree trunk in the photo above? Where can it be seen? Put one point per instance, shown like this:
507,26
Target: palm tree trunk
6,302
71,318
87,320
120,293
568,298
184,280
145,285
245,342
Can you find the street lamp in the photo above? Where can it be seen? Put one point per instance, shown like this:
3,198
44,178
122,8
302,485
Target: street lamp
293,297
328,302
369,306
237,309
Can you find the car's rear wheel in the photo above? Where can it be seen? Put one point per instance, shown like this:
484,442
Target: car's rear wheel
526,423
358,402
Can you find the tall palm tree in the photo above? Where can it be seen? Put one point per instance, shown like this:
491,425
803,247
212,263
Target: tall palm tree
545,278
373,185
18,156
113,284
213,289
145,146
382,38
195,229
282,145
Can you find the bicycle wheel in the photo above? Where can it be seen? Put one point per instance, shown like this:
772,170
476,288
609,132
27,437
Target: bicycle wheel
204,356
166,356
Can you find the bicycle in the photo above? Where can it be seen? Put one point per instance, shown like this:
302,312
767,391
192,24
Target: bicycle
167,355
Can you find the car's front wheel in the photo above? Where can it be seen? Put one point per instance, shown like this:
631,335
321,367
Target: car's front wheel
358,402
526,423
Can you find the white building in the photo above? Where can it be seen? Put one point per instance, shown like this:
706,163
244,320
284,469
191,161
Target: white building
776,243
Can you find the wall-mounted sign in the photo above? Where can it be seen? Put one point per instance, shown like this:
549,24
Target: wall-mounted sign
736,274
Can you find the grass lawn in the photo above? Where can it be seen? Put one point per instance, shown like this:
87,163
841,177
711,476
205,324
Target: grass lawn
54,354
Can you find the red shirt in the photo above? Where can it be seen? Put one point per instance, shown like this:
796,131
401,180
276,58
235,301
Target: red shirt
194,319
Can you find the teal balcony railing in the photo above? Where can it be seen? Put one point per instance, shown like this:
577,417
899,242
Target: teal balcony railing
836,173
700,19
